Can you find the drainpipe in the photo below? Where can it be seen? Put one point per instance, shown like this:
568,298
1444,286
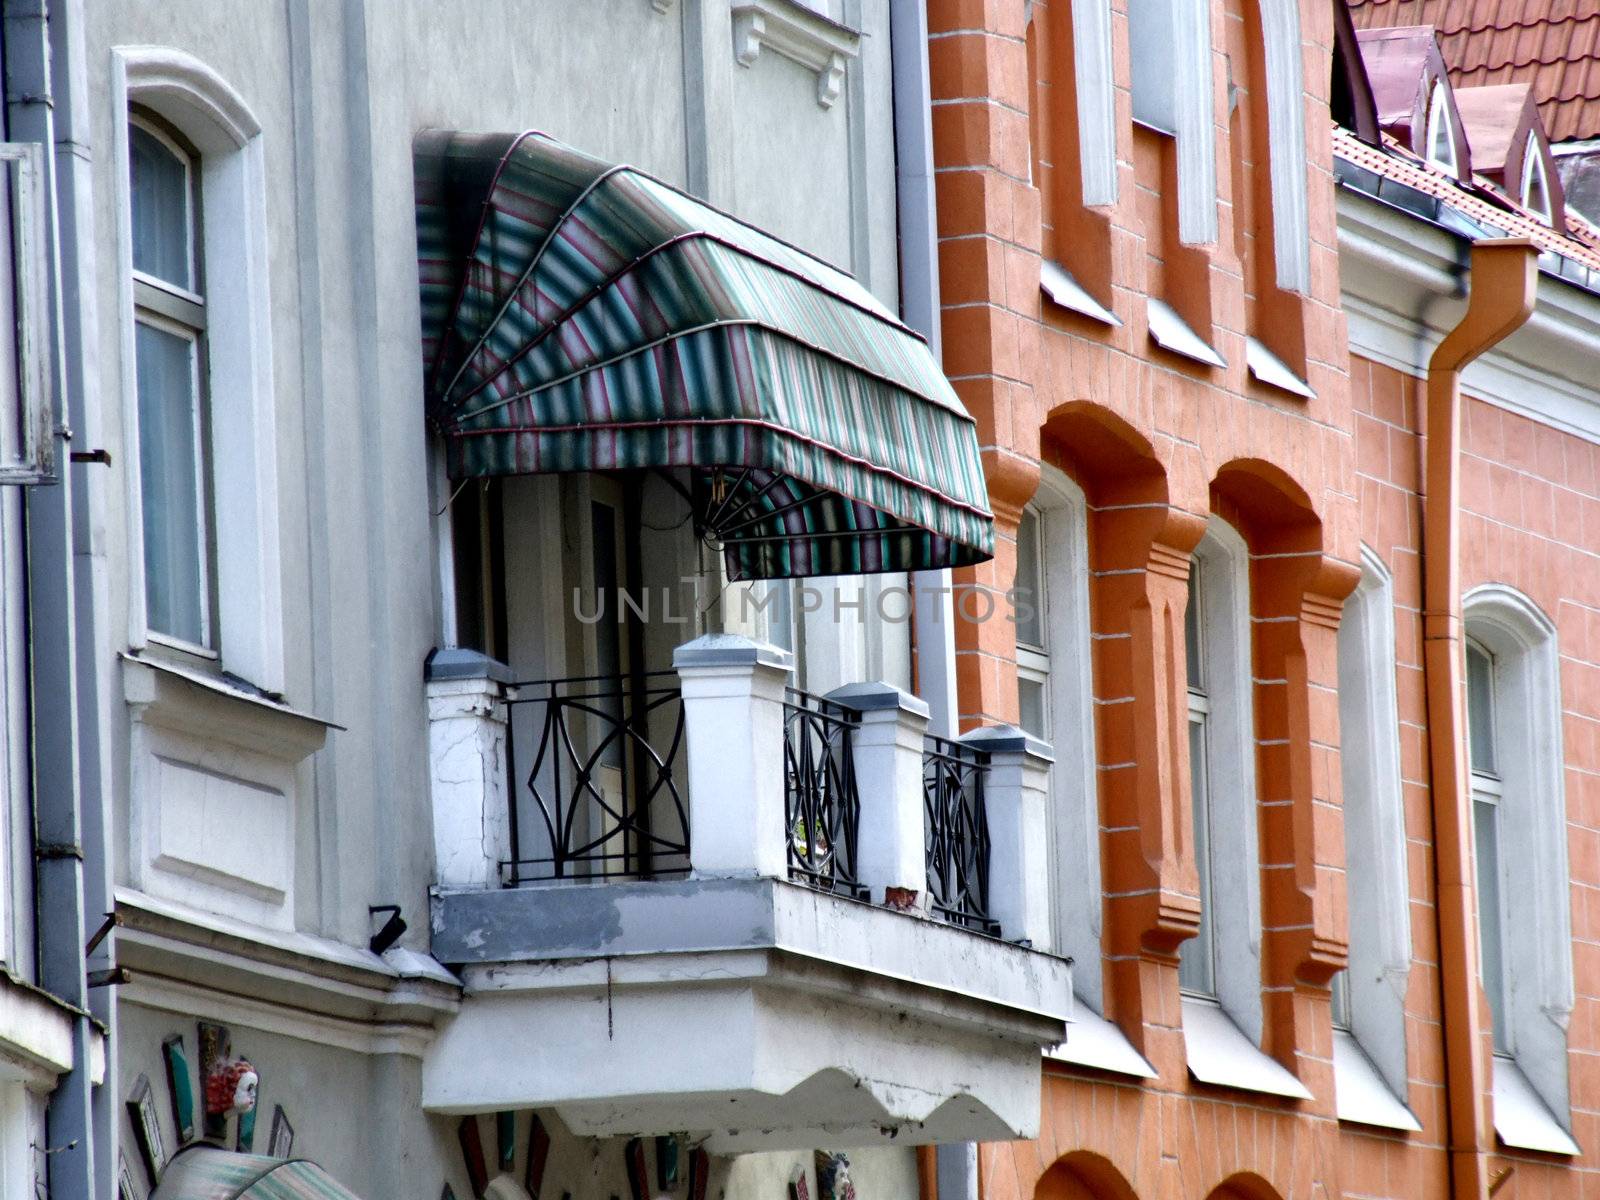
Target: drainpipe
1503,285
933,611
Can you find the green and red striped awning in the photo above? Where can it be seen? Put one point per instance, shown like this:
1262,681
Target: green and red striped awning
212,1173
583,316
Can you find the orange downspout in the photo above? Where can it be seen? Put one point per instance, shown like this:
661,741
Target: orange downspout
1504,279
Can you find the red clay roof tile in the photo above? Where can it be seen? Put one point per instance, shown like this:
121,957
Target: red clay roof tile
1553,45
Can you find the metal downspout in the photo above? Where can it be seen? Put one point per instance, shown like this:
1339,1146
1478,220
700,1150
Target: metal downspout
1503,287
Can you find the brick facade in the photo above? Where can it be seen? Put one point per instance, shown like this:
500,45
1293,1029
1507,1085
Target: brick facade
1159,444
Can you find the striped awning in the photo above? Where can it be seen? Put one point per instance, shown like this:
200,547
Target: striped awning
211,1173
579,316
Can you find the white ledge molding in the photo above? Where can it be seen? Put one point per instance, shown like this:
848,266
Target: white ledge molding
796,32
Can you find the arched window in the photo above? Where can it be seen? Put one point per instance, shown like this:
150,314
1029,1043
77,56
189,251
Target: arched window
1535,184
1369,1020
170,382
1219,970
196,362
1441,132
1055,695
1520,861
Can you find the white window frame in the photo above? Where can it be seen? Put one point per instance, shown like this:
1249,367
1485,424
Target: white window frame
201,105
1533,850
1230,773
1440,122
1065,667
180,311
1534,173
27,437
1377,886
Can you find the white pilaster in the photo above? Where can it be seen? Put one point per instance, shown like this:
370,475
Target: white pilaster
888,761
467,755
733,723
1016,798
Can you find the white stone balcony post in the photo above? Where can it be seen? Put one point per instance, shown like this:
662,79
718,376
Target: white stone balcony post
890,833
467,692
733,723
1016,796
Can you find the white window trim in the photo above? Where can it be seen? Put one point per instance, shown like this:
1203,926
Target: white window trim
1532,166
1193,119
1286,142
1231,774
1069,708
1439,111
243,449
1530,762
1377,884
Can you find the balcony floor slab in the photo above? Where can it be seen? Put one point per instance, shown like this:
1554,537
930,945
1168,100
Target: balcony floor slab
754,1012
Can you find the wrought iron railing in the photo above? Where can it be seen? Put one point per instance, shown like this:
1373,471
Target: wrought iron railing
593,768
957,833
821,806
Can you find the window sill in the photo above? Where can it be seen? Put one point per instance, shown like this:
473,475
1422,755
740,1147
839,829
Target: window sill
1522,1119
1094,1042
1172,333
1266,367
1361,1097
187,697
1056,282
1219,1054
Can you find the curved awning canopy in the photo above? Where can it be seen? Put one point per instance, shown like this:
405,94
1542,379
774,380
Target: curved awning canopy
211,1173
581,316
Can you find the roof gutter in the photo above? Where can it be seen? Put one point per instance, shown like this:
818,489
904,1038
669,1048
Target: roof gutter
1503,286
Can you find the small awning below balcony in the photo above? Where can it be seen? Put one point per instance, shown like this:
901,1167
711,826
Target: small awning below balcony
579,316
212,1173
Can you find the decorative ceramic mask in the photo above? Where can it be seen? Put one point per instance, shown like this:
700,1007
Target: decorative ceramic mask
231,1088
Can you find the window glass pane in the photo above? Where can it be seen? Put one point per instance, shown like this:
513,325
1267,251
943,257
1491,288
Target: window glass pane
1030,596
1341,1000
1486,830
777,601
1196,957
1191,628
1480,709
176,585
161,218
1030,697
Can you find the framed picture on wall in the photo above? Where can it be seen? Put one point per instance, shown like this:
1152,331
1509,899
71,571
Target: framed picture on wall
280,1144
127,1188
147,1129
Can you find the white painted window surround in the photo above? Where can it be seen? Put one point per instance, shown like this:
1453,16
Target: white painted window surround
1370,994
1228,780
196,101
1534,881
1286,138
1535,184
1170,47
1097,110
1440,135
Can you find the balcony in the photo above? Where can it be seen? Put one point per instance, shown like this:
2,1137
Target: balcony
703,902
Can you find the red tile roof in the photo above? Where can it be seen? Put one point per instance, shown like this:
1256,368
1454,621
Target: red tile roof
1552,44
1393,161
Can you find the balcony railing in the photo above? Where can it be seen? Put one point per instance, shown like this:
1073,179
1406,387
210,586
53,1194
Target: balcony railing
821,803
957,833
597,757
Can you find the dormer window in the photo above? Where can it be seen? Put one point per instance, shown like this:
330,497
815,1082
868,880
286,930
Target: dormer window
1535,184
1441,132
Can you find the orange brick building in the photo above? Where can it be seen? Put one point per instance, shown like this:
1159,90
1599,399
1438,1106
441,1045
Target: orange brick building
1330,833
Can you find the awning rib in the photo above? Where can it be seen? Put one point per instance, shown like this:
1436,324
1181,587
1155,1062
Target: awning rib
202,1172
579,316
